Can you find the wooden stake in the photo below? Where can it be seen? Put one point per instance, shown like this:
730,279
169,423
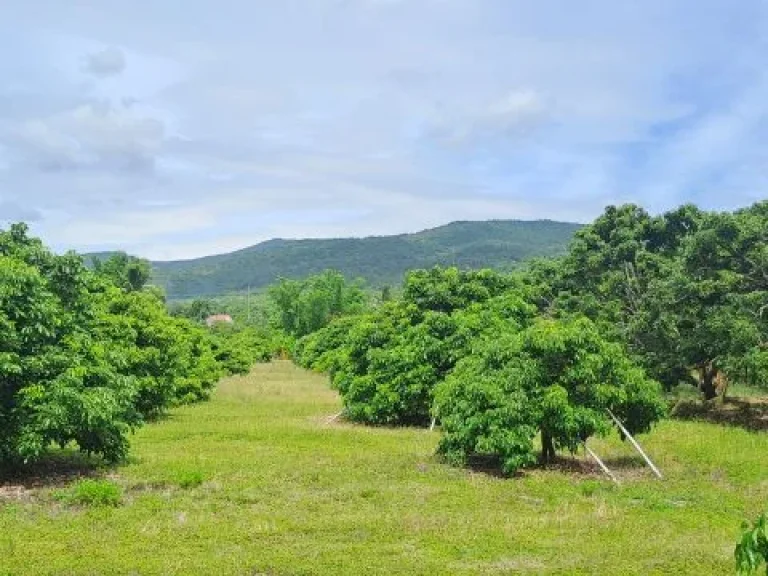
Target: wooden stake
601,464
635,444
432,426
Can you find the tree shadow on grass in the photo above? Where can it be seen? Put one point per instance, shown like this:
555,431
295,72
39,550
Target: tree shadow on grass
576,466
56,469
748,413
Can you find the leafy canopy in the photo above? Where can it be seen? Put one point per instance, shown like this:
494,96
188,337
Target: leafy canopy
553,378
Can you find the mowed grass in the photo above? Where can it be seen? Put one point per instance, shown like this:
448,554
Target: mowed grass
257,481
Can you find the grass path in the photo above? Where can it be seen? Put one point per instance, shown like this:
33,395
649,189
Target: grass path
284,492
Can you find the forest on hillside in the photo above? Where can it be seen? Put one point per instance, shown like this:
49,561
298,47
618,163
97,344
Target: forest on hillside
380,261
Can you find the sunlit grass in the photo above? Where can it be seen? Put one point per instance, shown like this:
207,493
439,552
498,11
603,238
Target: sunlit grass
257,481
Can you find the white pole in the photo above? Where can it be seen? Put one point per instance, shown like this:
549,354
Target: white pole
600,463
635,444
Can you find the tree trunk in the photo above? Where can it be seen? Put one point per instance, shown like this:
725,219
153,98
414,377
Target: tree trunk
707,381
547,447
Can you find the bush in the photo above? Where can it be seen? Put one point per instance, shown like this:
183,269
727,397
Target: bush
321,351
238,349
58,379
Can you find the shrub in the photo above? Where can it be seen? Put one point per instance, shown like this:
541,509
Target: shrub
58,381
238,349
321,350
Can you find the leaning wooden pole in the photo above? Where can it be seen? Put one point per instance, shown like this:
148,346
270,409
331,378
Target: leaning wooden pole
635,444
600,463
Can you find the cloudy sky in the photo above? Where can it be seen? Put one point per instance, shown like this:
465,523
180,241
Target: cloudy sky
178,129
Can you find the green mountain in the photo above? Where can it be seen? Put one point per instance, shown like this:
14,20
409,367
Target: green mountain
380,260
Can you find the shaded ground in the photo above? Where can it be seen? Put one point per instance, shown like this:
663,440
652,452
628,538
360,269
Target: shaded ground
57,470
747,413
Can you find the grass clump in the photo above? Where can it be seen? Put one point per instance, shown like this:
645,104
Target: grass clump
93,493
187,479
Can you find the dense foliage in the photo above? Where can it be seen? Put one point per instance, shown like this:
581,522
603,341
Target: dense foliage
127,272
684,291
237,349
393,357
557,379
59,380
305,306
86,356
379,260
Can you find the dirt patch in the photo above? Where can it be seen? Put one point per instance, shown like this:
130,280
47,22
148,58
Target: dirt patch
15,493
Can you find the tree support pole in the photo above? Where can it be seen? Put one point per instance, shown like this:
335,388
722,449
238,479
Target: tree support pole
635,444
601,464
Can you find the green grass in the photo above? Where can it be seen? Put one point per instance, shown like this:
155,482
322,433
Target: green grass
257,481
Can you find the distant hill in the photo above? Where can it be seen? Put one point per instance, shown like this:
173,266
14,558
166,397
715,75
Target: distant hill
379,260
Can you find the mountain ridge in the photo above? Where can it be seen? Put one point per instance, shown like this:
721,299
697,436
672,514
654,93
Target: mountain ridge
379,260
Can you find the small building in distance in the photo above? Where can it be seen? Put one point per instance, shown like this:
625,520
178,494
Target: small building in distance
218,319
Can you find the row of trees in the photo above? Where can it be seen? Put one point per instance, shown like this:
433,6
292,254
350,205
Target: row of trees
639,304
86,356
470,350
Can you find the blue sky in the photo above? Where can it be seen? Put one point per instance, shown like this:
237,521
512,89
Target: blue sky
175,130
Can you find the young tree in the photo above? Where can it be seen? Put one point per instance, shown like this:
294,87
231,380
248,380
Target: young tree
557,379
752,549
83,360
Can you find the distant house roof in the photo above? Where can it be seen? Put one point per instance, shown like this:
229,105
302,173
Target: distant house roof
215,318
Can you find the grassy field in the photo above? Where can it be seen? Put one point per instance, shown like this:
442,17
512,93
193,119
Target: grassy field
258,481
